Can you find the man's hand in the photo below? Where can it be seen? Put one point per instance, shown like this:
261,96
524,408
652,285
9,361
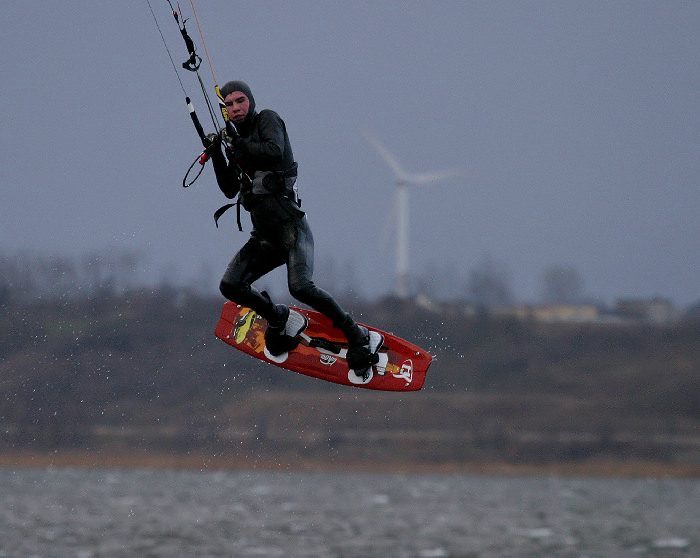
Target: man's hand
239,145
213,145
212,140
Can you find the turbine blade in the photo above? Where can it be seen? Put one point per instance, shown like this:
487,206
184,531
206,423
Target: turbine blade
385,154
426,178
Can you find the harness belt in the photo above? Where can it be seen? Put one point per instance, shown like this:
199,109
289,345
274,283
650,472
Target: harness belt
279,184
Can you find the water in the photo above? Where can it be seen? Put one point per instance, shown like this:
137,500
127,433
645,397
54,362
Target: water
154,513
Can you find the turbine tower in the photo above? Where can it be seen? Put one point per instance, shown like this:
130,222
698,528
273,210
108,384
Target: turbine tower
403,180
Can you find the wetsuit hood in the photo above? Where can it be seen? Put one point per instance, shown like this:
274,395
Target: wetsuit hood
243,87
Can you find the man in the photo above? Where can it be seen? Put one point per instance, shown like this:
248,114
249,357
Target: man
262,172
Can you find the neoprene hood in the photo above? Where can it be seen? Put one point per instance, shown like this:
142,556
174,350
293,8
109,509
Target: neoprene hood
241,86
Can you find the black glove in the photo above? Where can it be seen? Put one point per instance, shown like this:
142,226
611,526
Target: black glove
212,145
239,144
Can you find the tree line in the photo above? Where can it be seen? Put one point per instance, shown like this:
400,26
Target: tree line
488,284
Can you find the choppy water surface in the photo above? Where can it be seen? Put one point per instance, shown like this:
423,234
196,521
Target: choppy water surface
71,512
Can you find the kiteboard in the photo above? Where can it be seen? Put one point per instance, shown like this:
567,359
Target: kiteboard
321,352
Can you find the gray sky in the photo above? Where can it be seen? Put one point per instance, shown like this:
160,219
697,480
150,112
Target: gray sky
576,124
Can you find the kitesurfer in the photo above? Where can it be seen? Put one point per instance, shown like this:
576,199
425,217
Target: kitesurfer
281,235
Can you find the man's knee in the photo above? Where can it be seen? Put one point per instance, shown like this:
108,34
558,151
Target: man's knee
230,290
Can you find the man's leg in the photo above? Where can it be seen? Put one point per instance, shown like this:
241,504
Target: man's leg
255,259
362,347
300,268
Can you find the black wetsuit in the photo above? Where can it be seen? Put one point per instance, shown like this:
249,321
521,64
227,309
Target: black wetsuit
281,234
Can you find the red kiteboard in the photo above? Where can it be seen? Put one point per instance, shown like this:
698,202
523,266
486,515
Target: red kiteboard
321,353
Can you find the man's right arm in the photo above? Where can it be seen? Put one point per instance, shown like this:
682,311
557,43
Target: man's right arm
226,175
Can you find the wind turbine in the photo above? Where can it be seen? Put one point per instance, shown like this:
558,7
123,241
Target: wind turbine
403,180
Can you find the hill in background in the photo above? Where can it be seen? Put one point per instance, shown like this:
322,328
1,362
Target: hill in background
141,372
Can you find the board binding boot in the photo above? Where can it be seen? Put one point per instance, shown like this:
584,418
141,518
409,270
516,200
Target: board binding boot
363,355
282,333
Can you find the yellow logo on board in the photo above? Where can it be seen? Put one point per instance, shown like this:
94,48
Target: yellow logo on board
243,326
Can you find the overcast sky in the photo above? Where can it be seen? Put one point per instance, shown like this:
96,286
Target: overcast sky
576,125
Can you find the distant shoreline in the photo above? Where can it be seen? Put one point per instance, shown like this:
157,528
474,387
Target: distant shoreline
206,462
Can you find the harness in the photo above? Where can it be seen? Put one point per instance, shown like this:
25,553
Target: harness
280,185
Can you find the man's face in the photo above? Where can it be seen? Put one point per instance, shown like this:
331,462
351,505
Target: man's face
237,106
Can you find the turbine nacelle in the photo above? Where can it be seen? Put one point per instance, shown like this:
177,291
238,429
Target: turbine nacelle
403,177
